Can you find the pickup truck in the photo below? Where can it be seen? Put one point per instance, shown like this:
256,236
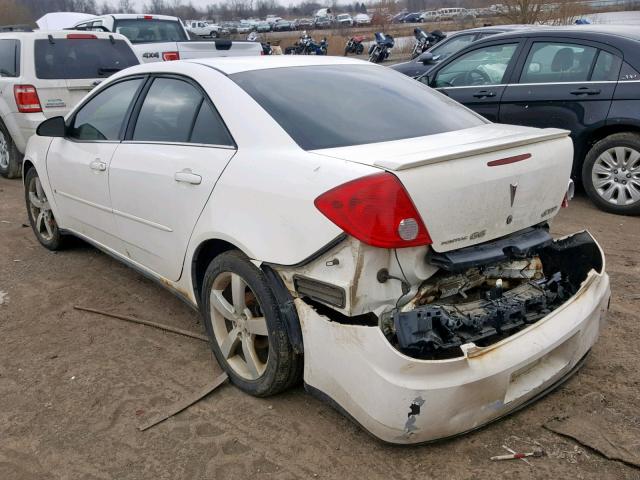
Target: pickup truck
202,28
157,38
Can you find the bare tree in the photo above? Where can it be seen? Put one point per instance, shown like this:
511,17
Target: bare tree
125,6
523,11
12,13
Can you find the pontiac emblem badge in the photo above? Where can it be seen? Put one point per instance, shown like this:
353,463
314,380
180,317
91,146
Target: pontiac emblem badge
514,188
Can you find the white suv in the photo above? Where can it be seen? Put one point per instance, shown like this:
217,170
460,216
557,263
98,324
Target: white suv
45,74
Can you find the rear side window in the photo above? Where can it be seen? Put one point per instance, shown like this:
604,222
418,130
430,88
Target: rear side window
9,58
81,58
628,73
607,67
340,105
151,30
102,117
551,62
209,128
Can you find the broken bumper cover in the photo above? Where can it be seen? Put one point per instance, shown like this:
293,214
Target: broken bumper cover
404,400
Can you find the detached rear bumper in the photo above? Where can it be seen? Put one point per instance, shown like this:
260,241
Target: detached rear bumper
404,400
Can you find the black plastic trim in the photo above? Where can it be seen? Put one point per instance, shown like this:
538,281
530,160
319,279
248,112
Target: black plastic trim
314,255
515,245
287,308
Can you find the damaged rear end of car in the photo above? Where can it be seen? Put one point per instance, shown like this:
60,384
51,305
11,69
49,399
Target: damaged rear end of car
447,304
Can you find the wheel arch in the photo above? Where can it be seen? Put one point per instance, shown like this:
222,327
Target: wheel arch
211,248
202,257
606,130
26,166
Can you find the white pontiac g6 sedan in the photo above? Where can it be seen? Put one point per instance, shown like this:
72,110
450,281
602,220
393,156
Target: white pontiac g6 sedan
330,210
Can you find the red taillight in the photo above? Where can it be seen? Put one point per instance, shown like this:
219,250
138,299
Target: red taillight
81,36
27,99
376,210
170,56
147,17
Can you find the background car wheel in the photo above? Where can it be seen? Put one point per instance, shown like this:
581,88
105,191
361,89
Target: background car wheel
611,174
41,218
10,157
247,334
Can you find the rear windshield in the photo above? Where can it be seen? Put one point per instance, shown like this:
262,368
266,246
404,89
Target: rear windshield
151,31
341,105
9,58
81,58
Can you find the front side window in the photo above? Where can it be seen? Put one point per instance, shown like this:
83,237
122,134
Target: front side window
448,48
484,66
151,30
554,62
102,117
9,58
81,58
351,105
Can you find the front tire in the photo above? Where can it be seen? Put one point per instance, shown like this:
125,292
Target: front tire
40,215
247,333
10,157
611,174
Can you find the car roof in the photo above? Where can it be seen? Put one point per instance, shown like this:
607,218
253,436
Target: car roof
130,16
496,28
630,32
622,37
231,65
40,34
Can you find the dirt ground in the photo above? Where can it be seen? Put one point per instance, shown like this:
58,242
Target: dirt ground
74,386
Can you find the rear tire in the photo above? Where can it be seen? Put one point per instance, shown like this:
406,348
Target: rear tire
247,333
10,157
611,174
40,215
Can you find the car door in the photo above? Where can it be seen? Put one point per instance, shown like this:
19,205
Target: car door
78,165
176,148
475,77
563,83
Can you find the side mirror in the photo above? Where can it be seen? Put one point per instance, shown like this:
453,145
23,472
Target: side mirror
426,79
426,58
52,127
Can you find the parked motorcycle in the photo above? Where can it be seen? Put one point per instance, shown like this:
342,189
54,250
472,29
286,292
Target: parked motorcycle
381,49
307,46
425,41
354,45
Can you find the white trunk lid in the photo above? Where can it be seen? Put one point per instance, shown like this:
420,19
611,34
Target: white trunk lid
477,184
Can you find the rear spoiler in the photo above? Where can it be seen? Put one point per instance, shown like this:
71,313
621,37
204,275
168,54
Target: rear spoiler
462,150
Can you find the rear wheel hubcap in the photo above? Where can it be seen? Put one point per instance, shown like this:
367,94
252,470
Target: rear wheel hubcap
616,175
4,152
239,325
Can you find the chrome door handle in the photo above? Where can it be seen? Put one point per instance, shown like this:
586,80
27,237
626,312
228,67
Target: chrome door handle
98,165
484,94
585,91
187,176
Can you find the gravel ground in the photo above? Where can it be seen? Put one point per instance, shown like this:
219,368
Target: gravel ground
74,386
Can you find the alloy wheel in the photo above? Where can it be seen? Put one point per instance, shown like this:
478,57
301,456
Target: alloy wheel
239,325
43,221
616,175
4,152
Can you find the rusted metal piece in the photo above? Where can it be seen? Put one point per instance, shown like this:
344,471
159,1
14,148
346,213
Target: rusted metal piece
166,328
185,403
